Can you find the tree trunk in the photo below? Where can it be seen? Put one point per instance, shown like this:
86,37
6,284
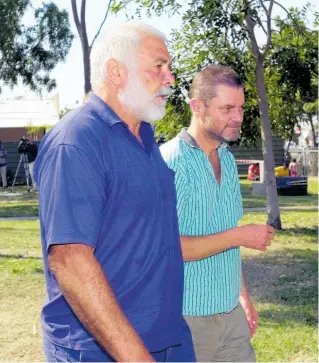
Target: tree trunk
269,161
314,140
314,155
86,50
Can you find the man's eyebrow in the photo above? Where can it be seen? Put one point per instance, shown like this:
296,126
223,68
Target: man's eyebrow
162,60
229,105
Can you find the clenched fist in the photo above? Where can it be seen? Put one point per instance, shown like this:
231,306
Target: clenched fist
256,236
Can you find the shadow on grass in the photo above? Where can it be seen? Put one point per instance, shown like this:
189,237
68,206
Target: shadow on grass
309,232
21,230
287,278
289,317
20,257
20,210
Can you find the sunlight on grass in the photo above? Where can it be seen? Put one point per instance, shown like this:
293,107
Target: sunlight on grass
283,283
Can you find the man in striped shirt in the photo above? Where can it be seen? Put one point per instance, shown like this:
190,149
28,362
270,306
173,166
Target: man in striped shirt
217,305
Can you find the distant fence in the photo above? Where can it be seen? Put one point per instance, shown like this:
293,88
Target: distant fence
307,160
238,152
241,153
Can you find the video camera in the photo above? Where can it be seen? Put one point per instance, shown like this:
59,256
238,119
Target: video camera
23,145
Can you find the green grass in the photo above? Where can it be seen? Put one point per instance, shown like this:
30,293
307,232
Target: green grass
27,203
250,201
19,205
282,282
22,291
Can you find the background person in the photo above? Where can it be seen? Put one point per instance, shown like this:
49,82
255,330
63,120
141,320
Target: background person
293,168
253,171
31,150
3,165
282,170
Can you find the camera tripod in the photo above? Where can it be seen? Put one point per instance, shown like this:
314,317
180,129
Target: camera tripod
24,160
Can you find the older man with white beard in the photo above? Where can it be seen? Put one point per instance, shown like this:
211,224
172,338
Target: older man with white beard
111,248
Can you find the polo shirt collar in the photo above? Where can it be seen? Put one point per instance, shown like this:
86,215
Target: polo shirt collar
186,137
105,111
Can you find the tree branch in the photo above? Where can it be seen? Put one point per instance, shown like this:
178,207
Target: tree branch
100,28
83,23
76,16
289,15
268,12
263,5
262,27
250,27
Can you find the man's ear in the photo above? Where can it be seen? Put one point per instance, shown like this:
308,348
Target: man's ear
197,107
116,72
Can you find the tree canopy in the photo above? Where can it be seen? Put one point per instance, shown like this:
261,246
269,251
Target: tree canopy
30,53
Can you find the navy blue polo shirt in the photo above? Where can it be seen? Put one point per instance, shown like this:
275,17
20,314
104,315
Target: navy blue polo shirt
100,186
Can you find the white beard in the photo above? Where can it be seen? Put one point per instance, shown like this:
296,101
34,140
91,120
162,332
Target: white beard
140,102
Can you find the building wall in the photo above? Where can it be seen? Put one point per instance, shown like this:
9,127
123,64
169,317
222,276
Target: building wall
239,153
15,134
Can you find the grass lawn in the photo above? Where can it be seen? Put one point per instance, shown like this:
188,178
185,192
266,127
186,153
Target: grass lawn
282,281
18,205
311,199
22,291
27,203
284,284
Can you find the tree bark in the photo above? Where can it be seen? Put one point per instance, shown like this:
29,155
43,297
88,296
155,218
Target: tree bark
314,155
266,135
267,146
314,140
86,49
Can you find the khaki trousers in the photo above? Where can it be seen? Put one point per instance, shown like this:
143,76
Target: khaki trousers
222,337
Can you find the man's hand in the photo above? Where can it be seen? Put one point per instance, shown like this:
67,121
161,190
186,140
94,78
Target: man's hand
256,236
251,313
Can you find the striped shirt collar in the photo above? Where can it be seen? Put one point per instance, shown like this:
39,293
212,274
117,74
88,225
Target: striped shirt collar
186,137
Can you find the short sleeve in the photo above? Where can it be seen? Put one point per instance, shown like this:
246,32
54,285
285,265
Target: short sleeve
182,194
72,196
236,188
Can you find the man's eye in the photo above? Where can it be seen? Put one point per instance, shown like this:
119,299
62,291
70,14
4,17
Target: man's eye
159,66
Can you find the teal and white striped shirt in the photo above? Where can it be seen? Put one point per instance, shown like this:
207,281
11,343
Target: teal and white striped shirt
212,285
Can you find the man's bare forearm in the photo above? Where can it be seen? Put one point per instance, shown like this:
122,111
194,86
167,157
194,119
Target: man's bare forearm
88,292
244,289
254,236
199,247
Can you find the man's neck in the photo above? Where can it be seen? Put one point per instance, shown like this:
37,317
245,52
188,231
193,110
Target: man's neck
123,113
207,143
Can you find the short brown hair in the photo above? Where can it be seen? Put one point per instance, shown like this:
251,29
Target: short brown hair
205,82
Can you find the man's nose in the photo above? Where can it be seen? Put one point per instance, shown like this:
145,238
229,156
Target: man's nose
238,115
169,79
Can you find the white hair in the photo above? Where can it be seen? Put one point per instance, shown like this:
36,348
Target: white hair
120,43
